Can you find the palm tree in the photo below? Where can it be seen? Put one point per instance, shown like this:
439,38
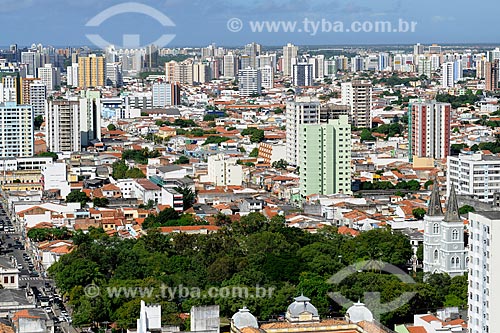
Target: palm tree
188,196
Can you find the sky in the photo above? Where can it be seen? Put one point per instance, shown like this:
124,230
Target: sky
201,22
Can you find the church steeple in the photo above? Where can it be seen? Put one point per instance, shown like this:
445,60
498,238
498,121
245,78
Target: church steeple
452,214
435,208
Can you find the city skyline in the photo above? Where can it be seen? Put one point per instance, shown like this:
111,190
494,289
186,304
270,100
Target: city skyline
198,23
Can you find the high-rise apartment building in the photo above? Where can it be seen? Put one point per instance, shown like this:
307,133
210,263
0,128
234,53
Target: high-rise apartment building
474,174
358,95
249,82
358,64
114,74
90,117
10,90
267,75
418,49
491,75
430,129
302,75
302,111
383,61
484,254
166,94
62,121
49,75
170,70
448,75
481,68
290,52
91,71
444,247
72,75
252,50
25,89
424,67
180,72
435,49
201,73
231,66
325,157
33,60
37,98
16,130
267,60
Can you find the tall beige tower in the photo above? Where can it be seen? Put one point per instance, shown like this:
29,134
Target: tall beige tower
91,71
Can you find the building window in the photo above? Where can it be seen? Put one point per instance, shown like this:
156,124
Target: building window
436,255
454,234
436,228
5,279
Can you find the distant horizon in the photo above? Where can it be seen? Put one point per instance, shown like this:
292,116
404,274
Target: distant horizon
448,45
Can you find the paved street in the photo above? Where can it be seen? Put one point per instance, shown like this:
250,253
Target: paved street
12,248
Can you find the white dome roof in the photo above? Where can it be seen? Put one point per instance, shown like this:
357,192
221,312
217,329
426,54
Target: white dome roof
359,312
243,318
301,305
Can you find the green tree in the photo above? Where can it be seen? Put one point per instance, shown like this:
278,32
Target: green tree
428,183
134,173
256,135
254,152
111,127
38,121
100,202
48,154
119,169
281,164
413,185
420,252
215,139
465,209
182,160
77,196
366,135
188,196
418,213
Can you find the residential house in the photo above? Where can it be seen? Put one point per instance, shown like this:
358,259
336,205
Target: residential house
145,191
248,206
9,275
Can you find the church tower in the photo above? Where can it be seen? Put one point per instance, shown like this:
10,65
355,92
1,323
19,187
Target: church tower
452,252
432,232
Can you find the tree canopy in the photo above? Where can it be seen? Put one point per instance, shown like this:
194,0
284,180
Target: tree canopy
77,196
254,251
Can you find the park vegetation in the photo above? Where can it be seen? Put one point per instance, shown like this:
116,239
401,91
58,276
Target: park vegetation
254,251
